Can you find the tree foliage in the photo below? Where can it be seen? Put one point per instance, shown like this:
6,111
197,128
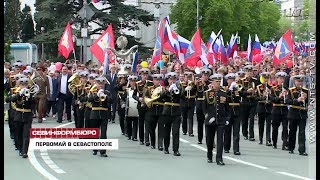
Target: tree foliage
53,15
12,20
27,25
242,16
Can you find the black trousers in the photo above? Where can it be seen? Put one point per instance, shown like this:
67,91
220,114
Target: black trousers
171,122
22,134
262,118
64,99
276,120
132,127
87,112
11,122
121,113
51,105
114,106
293,126
248,112
200,119
151,122
102,124
80,117
142,135
234,124
75,108
187,119
210,129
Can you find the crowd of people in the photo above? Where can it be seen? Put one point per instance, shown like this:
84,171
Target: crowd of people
152,99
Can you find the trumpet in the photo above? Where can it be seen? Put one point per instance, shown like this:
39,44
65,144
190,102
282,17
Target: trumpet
27,93
101,95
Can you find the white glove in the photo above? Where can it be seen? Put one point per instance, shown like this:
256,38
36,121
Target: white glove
232,86
212,120
227,122
123,106
22,91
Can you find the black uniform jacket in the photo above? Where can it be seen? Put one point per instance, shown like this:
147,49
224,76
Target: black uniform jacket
215,106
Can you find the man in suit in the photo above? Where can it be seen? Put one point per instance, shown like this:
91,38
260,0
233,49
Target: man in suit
53,94
112,78
64,95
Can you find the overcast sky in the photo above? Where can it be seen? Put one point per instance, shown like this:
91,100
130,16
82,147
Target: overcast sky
29,3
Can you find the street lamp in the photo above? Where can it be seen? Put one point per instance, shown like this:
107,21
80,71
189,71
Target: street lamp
42,45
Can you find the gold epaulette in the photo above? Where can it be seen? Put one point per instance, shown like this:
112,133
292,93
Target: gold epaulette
305,89
292,88
243,79
221,89
254,78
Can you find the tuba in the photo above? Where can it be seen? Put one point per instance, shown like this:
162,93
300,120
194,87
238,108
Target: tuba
155,95
74,81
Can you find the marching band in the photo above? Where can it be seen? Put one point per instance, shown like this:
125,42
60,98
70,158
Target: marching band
222,103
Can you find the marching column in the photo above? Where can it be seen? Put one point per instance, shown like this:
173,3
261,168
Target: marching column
138,95
187,103
233,128
264,108
131,112
22,116
249,103
101,103
171,114
216,117
201,83
279,111
154,101
298,114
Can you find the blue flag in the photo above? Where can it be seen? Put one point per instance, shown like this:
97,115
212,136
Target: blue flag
134,62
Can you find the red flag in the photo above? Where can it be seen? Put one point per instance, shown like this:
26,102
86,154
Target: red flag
99,47
65,45
284,49
194,50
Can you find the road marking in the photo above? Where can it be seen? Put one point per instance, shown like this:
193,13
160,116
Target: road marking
293,175
183,140
49,162
35,163
251,164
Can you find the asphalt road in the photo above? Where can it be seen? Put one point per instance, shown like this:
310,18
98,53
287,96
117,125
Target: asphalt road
134,161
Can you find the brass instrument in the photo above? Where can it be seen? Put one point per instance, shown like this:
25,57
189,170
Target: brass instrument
155,95
239,87
101,95
189,87
304,101
284,91
27,93
174,89
74,81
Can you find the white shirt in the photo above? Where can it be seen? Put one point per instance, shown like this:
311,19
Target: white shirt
64,83
50,83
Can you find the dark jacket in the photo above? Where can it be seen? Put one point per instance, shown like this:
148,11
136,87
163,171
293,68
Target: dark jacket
59,87
279,105
264,104
185,100
297,109
55,91
97,103
215,106
22,103
141,87
234,100
171,103
248,98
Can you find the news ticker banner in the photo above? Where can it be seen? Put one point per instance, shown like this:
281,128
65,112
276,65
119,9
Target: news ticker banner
68,139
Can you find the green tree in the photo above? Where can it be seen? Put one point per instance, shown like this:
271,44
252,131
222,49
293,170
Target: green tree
28,25
7,53
53,15
284,25
12,20
244,17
